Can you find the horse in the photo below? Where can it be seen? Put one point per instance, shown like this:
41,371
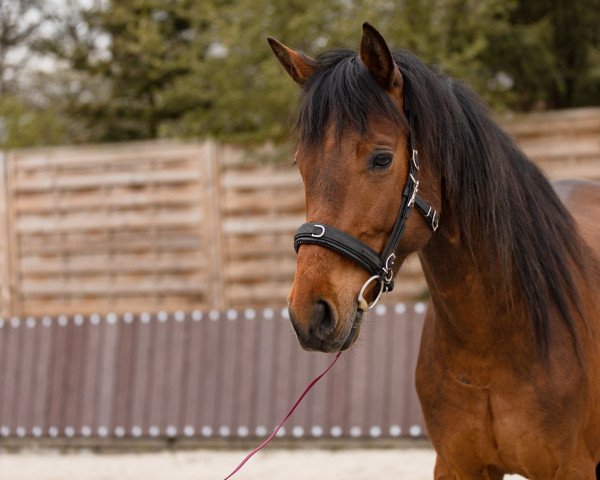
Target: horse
397,157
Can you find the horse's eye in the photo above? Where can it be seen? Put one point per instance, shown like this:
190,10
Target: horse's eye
381,160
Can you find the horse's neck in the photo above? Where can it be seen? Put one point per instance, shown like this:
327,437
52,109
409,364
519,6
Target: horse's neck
470,314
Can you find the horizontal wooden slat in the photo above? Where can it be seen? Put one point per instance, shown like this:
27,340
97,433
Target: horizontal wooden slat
30,261
259,246
99,181
187,233
233,157
558,149
549,124
107,221
183,242
48,203
94,156
261,201
572,169
278,268
264,293
95,288
57,266
260,179
262,224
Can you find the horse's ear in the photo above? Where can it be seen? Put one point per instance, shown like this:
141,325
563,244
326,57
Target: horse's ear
378,59
299,66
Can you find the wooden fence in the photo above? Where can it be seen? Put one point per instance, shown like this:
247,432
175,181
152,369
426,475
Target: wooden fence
167,226
203,375
116,228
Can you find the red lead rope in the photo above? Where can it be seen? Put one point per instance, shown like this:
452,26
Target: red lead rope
264,444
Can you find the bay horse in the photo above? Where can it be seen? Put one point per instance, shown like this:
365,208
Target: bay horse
508,374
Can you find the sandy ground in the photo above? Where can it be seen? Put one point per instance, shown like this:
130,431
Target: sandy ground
413,464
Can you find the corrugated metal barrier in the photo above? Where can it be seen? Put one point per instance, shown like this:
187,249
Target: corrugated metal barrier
204,375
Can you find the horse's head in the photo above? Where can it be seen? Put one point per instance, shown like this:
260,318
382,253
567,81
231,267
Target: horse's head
355,157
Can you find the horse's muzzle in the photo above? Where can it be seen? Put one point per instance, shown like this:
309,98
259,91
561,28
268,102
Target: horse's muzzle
318,332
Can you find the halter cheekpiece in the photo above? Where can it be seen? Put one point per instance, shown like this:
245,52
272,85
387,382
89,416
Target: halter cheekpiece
379,266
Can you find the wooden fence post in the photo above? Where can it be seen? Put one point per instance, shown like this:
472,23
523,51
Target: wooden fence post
7,241
213,227
4,253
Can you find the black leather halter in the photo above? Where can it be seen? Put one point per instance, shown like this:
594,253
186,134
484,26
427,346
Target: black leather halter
379,265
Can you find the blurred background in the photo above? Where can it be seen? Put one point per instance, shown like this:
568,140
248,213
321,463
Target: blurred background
148,204
88,71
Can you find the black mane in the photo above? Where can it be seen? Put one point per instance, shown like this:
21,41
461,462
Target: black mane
501,199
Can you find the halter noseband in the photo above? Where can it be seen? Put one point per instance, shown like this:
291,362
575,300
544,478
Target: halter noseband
378,265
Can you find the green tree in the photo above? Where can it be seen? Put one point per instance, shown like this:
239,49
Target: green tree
190,68
24,121
551,50
454,35
25,125
19,23
247,95
151,47
137,50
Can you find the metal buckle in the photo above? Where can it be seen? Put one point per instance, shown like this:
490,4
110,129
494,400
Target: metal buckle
389,273
413,195
362,303
415,158
320,234
435,221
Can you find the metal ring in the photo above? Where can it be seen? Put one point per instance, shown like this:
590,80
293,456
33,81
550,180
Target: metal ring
320,234
362,303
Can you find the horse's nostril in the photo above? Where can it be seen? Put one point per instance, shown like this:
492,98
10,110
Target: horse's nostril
323,319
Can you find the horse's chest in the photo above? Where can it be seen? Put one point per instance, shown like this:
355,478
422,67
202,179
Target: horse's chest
459,414
476,424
